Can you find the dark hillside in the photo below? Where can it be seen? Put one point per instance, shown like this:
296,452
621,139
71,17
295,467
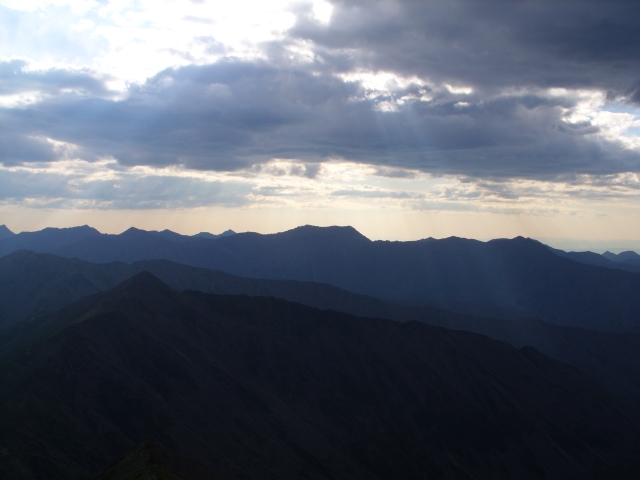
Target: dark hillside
33,285
151,461
257,387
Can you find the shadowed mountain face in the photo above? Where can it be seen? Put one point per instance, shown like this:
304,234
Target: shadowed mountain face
32,285
262,388
518,277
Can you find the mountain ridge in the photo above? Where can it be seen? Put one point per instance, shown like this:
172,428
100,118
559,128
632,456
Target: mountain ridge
37,284
517,274
506,277
262,387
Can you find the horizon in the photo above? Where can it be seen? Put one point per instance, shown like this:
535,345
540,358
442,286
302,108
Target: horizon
577,245
405,120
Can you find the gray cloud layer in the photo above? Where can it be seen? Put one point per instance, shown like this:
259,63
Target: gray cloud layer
235,114
489,44
53,190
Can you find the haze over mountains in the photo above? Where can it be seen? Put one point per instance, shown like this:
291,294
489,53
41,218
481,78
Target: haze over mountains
97,357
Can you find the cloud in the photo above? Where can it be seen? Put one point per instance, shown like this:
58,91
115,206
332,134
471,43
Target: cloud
16,78
371,193
489,91
394,172
486,45
101,188
234,114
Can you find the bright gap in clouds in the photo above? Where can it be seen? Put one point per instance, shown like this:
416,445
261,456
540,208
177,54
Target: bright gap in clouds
132,41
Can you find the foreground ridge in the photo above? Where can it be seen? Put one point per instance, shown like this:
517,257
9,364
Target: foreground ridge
265,388
150,460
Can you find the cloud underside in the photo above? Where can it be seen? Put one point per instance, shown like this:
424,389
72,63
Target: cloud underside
103,185
485,91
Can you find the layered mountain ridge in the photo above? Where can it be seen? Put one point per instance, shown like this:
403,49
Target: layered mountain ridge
33,285
500,278
259,387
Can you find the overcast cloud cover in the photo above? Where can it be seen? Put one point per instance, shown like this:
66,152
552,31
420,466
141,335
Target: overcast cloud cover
509,104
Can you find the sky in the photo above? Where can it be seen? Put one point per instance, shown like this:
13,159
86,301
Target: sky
404,119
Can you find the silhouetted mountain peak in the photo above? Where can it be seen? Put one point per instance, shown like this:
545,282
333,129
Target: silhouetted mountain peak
132,231
5,232
628,255
143,282
171,235
205,235
142,291
622,256
333,233
226,233
85,229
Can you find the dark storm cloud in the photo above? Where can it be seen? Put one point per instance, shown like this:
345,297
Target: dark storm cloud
487,44
236,114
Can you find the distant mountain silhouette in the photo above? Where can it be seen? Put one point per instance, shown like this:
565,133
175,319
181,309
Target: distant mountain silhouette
517,277
610,256
263,388
5,232
151,461
45,240
607,259
226,233
625,260
51,239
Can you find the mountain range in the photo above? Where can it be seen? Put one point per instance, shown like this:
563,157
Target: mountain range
500,278
33,285
314,353
255,387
